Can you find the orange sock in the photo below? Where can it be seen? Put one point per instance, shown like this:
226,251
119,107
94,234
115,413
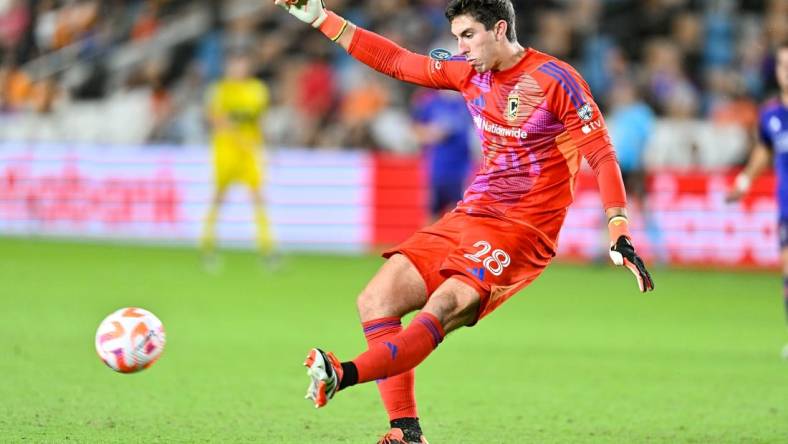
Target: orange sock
398,392
402,352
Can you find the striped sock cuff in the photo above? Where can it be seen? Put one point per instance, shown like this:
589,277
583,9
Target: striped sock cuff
381,326
433,325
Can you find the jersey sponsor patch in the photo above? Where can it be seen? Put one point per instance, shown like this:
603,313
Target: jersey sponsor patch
440,54
591,126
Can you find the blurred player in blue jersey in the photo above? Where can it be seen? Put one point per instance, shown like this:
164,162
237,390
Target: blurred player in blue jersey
441,126
772,147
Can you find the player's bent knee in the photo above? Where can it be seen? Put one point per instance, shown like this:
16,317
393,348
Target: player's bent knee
374,303
371,305
397,289
455,304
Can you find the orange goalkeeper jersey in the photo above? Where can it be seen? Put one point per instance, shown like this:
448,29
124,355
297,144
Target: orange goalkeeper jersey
535,120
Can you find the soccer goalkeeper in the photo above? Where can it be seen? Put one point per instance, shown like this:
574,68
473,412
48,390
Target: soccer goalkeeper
235,106
536,120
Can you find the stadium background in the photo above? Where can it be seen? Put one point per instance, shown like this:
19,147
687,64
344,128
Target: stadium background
88,88
102,138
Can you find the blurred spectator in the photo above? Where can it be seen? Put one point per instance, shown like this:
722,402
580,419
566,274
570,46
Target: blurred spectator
271,50
45,95
187,125
47,101
630,123
45,25
719,47
316,90
359,107
554,34
161,104
75,21
14,87
146,23
14,20
668,88
283,126
728,103
776,19
687,33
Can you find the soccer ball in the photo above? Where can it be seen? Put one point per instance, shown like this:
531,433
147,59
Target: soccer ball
130,339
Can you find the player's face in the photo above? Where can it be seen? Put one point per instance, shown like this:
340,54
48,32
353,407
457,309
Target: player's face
781,69
238,67
477,44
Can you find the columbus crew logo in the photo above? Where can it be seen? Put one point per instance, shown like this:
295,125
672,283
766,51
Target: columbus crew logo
512,106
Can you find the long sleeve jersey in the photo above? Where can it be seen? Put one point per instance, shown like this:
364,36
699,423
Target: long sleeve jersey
535,121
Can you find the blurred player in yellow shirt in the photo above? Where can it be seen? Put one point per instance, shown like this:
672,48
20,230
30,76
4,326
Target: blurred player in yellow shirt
235,106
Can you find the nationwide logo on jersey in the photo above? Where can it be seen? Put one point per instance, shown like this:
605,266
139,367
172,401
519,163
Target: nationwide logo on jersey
512,106
498,130
586,112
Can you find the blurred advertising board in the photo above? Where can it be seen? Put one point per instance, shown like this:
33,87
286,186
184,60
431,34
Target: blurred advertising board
346,201
684,220
316,200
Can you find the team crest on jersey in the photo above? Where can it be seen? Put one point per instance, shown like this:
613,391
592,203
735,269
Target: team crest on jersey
512,106
586,112
440,54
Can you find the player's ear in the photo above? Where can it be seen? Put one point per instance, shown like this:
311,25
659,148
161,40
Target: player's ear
499,29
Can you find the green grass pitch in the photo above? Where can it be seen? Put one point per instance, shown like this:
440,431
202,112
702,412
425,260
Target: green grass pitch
580,356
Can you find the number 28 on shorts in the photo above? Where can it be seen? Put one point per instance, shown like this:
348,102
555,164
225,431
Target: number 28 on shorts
495,261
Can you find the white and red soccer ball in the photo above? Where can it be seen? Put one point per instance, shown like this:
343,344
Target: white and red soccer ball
130,339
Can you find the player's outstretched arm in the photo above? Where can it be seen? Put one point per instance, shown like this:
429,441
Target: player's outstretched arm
622,252
374,50
602,159
569,98
760,159
314,12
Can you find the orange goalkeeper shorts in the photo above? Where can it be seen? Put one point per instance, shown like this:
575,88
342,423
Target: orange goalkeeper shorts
496,257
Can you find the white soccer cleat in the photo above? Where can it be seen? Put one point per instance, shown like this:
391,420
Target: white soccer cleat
325,373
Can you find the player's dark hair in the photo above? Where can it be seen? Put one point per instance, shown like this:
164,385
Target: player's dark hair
486,12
